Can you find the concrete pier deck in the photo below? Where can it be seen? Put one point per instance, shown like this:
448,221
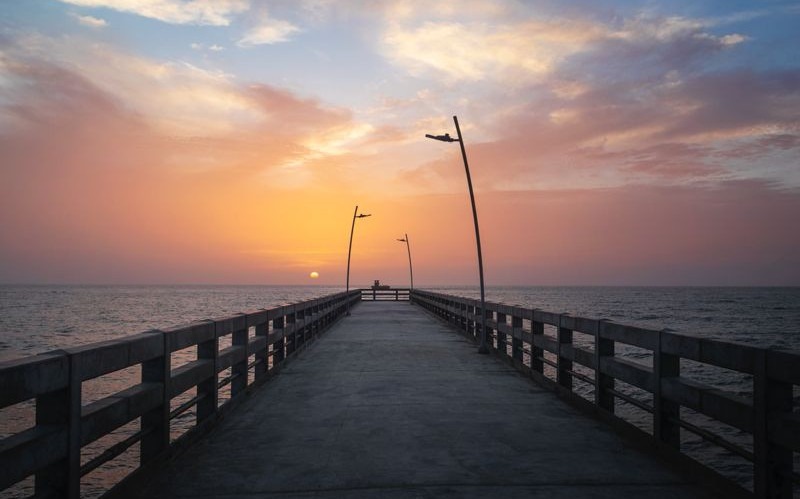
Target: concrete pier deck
392,403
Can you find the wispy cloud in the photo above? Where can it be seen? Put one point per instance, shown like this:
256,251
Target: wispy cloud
92,22
201,46
174,98
519,52
268,32
479,51
200,12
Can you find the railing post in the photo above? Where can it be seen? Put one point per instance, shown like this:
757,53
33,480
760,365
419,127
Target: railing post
537,353
564,337
516,340
291,323
471,310
62,408
300,328
603,347
502,345
316,320
155,423
489,315
665,412
262,366
278,349
239,369
773,462
207,390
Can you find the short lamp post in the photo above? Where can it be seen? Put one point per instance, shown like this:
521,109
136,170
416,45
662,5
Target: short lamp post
350,249
410,268
484,347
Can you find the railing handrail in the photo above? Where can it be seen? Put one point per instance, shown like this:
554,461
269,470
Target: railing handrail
388,294
51,449
769,416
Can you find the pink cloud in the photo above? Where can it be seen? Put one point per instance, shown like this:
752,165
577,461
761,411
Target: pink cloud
91,192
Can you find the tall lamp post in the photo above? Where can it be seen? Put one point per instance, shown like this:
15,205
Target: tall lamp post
350,249
410,268
484,347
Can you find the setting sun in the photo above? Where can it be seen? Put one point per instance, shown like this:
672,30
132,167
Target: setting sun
314,275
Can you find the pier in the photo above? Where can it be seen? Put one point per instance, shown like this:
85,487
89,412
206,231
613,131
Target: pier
394,401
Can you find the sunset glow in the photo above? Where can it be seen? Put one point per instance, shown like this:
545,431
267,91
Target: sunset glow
229,141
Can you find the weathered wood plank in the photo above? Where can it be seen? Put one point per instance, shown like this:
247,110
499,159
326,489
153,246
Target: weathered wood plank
579,324
26,378
256,344
630,335
713,402
24,453
107,414
96,359
545,343
784,366
784,429
583,357
546,317
224,326
190,375
231,355
189,335
630,372
727,354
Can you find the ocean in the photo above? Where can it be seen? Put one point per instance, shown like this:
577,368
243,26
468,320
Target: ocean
36,319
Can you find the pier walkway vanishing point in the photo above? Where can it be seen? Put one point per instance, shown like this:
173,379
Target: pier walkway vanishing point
390,403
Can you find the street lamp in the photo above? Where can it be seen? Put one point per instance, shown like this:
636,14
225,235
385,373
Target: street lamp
410,268
483,348
350,249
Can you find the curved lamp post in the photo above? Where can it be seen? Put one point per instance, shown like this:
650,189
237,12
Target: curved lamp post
410,268
350,249
483,348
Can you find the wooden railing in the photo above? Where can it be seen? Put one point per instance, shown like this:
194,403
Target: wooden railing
399,294
260,342
518,336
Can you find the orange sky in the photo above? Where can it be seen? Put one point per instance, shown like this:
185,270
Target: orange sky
124,165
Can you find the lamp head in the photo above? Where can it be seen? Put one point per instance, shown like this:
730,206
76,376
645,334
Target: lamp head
444,138
362,215
402,240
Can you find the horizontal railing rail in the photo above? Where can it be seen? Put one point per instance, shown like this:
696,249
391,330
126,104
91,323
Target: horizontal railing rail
50,449
770,417
392,294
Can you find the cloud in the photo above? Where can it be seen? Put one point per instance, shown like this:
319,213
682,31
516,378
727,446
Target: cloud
93,191
92,22
270,31
174,97
209,120
499,47
647,101
479,51
200,47
200,12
